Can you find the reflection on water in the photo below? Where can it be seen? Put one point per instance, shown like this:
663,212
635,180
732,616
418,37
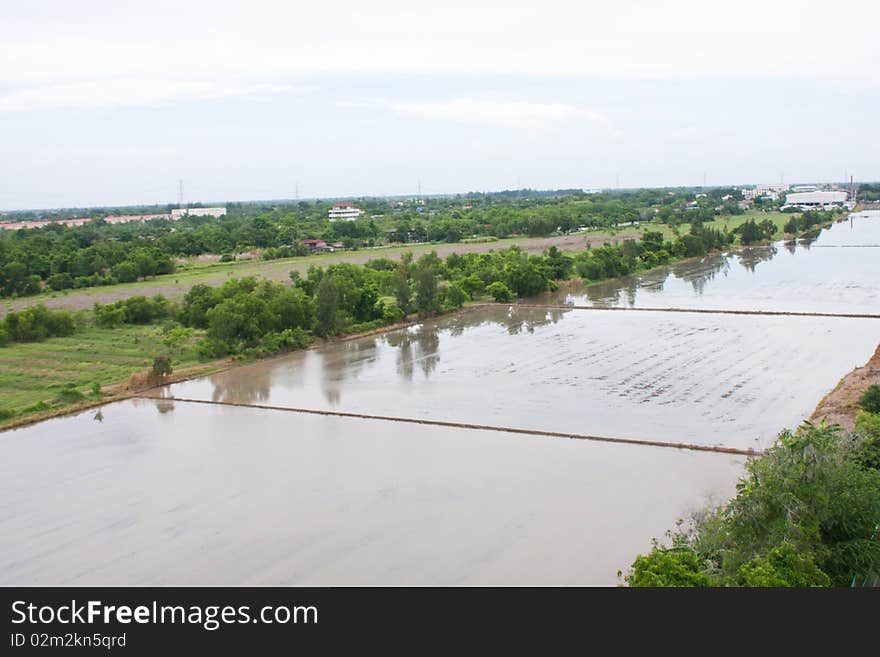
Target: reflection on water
707,379
807,275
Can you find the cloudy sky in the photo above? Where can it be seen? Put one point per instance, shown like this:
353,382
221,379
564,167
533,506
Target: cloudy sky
112,102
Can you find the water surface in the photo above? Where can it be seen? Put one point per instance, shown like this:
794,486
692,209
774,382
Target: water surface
165,493
836,273
707,379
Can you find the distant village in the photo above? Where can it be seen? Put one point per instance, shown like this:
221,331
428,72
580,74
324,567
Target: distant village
796,197
174,215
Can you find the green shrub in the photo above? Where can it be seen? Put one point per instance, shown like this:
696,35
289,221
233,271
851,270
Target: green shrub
391,312
70,395
38,323
810,491
109,316
867,448
870,401
675,567
782,566
211,348
500,292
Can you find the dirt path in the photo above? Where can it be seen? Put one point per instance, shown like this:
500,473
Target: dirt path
176,285
840,406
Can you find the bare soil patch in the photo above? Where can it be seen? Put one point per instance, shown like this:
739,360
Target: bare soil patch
840,406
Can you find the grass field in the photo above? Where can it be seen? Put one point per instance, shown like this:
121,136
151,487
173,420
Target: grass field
730,223
35,372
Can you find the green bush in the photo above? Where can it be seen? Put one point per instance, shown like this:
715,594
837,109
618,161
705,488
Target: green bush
500,292
4,336
674,567
803,515
782,566
391,312
870,401
867,448
69,395
38,323
109,316
134,310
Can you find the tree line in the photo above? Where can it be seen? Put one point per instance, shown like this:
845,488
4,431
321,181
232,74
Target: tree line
258,316
56,257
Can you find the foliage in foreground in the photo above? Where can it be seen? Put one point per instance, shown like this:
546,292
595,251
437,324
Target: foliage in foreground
805,514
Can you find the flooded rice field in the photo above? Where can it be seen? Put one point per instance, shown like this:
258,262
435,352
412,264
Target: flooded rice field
836,273
703,379
158,491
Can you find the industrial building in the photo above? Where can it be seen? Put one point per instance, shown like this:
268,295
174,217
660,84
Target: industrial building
816,200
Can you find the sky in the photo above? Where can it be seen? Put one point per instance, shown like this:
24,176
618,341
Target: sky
114,102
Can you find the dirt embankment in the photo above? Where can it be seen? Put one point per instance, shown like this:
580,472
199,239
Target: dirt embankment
840,406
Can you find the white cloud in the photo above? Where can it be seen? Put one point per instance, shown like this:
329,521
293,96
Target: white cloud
494,112
127,92
54,42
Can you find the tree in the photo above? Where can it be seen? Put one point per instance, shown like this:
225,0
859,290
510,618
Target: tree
161,367
327,307
402,288
750,232
425,280
125,272
455,296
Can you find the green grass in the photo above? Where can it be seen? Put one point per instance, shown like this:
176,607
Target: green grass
733,221
728,222
36,372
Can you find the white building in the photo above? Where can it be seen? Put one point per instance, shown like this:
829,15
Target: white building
815,200
345,211
770,191
197,212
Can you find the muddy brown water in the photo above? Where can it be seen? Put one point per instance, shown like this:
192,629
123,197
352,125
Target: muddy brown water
164,492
